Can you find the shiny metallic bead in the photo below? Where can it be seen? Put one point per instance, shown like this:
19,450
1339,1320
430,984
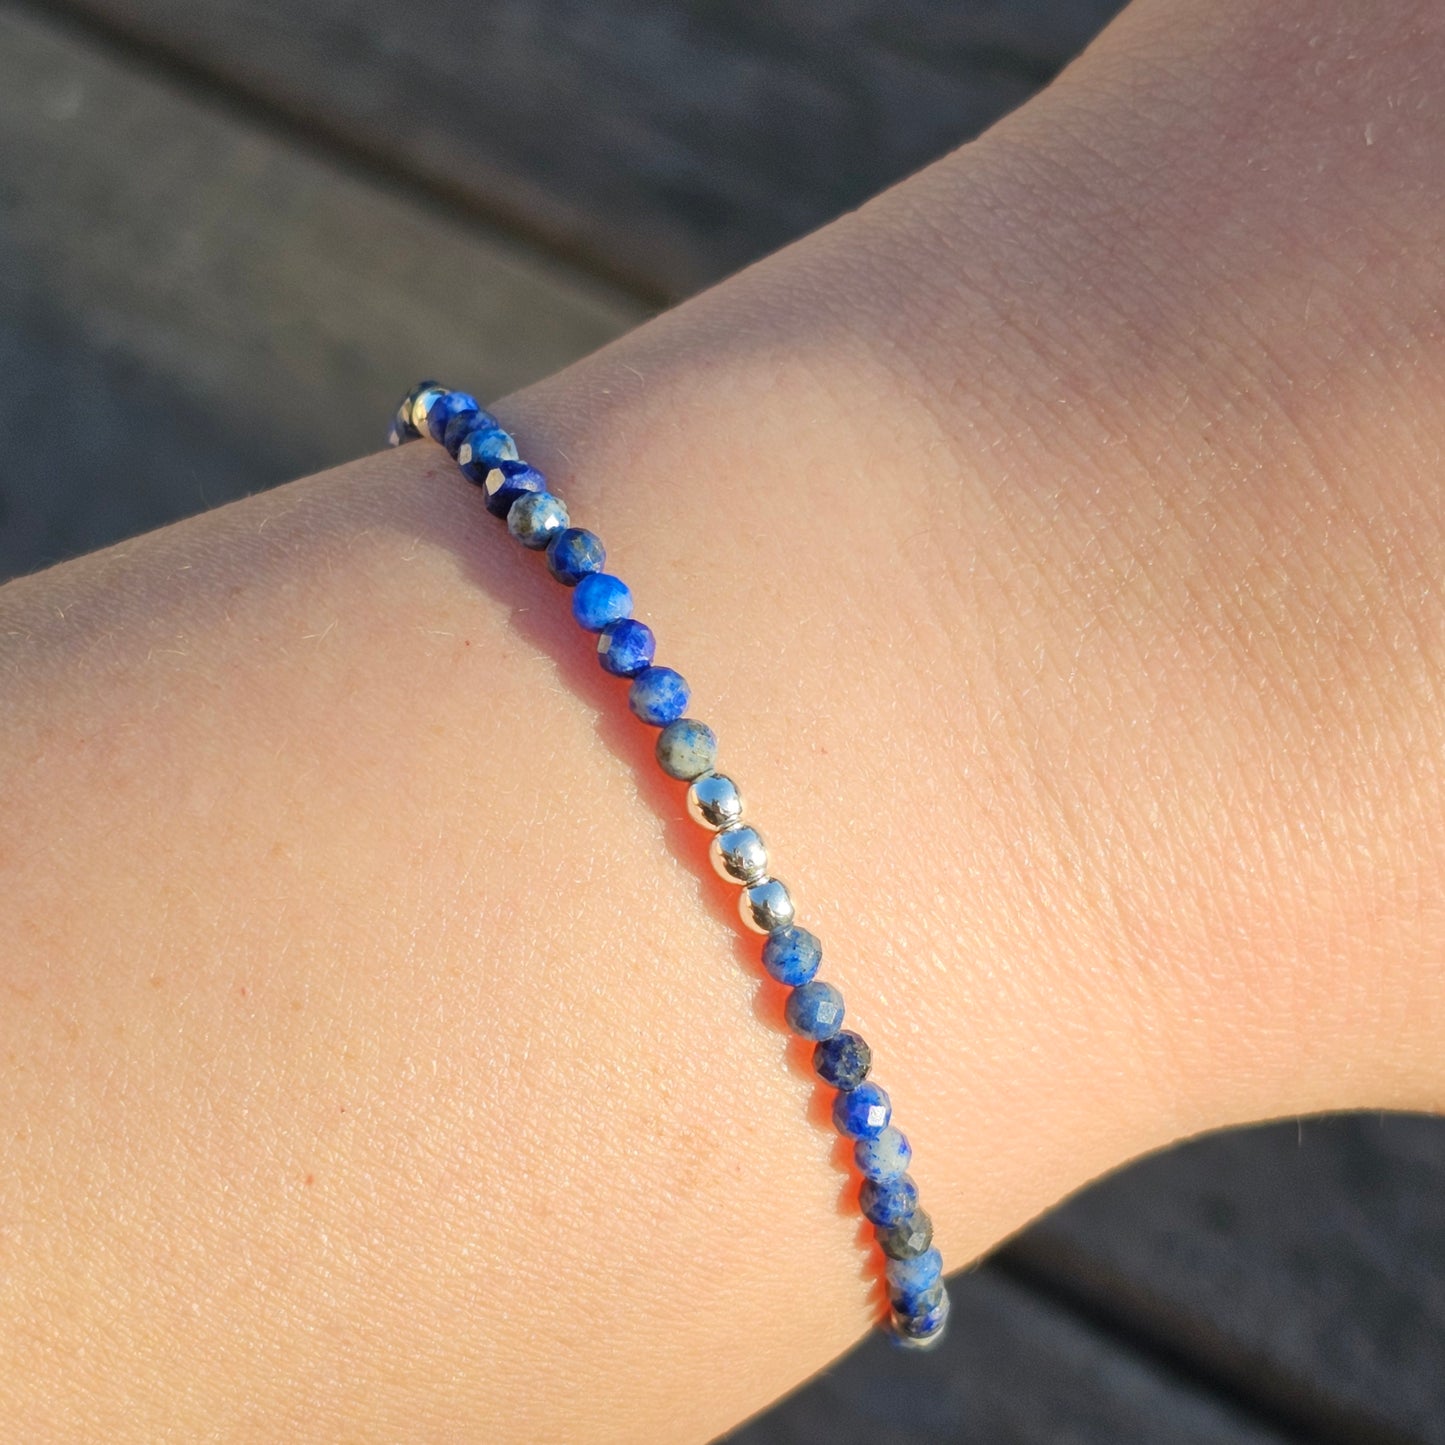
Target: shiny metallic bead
738,855
714,801
421,403
766,906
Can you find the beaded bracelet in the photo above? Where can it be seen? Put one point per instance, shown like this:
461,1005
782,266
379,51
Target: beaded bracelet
686,750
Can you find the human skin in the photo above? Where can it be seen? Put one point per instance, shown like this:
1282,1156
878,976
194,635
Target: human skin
1053,545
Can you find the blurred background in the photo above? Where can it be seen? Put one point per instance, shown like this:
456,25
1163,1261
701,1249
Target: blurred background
232,232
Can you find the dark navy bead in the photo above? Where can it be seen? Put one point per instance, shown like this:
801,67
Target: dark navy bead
600,598
573,554
908,1238
507,481
815,1010
483,448
686,749
658,695
625,648
462,425
864,1113
792,955
843,1061
889,1202
885,1156
909,1280
454,403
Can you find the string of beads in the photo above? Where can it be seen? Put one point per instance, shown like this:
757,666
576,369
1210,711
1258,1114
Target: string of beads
686,749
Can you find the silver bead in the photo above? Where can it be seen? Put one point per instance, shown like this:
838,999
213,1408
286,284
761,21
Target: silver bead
766,906
714,801
738,854
421,404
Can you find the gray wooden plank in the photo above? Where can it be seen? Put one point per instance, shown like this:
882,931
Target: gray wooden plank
1010,1369
666,143
194,308
1302,1264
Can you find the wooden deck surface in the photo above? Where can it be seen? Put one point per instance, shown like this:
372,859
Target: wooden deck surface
231,231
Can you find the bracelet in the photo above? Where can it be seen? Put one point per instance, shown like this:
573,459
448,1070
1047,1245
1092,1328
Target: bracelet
687,750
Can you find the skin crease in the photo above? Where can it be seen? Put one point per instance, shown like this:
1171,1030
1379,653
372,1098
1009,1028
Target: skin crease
1052,543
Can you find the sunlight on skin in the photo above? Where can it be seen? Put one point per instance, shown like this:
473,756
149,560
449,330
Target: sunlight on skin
1053,545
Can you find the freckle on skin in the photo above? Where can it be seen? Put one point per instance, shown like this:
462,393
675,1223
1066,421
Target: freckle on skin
311,1179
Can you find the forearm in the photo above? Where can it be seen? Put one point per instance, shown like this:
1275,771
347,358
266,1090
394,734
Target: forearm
383,1055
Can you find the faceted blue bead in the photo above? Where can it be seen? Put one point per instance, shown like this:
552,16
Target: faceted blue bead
686,749
573,554
625,648
507,481
927,1299
483,448
843,1061
889,1202
815,1010
461,426
909,1237
600,598
401,429
885,1156
454,403
923,1323
535,518
658,695
863,1113
909,1280
792,955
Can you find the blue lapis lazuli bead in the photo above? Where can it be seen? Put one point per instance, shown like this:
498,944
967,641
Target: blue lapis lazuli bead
792,955
884,1156
814,1010
658,695
600,598
535,518
625,648
863,1113
444,408
484,447
910,1280
463,424
572,554
843,1061
924,1319
507,481
922,1301
686,749
888,1202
